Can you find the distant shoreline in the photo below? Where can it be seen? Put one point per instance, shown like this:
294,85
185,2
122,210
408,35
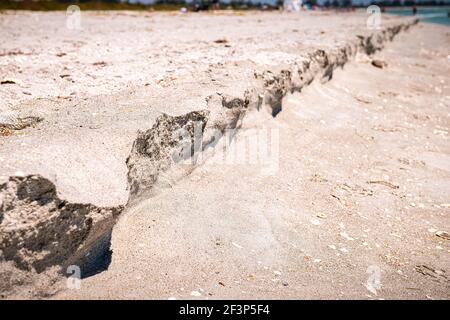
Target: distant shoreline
436,14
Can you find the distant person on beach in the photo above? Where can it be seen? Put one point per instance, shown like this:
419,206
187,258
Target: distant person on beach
215,4
414,10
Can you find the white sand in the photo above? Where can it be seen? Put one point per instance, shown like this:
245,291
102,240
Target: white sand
328,221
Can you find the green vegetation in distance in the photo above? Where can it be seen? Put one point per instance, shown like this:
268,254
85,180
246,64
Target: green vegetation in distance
161,5
49,5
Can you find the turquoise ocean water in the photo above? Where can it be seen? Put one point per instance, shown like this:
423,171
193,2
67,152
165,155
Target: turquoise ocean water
433,15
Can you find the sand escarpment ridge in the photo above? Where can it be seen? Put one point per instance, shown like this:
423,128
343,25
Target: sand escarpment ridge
42,233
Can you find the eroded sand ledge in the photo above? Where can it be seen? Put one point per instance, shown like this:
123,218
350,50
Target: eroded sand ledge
40,232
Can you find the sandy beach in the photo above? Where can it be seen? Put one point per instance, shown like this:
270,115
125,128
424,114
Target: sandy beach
354,205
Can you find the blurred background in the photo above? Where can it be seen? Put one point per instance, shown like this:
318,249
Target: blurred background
434,11
207,4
